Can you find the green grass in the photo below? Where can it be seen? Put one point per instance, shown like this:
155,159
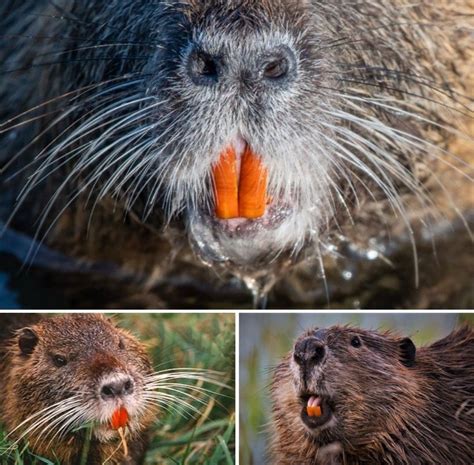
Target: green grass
181,341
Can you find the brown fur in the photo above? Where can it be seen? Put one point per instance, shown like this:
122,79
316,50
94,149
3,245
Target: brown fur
414,56
391,407
29,383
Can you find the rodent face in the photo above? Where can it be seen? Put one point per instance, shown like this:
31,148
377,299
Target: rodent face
340,109
358,378
244,75
87,367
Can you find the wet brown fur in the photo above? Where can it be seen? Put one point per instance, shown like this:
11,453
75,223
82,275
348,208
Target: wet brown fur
431,40
387,412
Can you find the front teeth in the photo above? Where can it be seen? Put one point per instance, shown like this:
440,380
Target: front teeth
313,407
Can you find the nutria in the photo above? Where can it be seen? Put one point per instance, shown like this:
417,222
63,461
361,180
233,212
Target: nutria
116,113
382,401
60,374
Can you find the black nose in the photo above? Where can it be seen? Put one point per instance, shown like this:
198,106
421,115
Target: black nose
203,68
278,65
309,351
117,388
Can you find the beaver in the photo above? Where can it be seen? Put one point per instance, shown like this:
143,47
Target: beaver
116,114
381,400
63,377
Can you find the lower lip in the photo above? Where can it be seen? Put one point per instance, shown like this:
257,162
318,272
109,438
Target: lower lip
274,216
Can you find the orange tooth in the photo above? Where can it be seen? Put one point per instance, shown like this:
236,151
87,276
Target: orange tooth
226,185
253,186
314,411
119,418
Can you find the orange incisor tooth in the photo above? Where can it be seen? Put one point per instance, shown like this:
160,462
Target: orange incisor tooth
119,418
226,185
246,196
314,411
252,186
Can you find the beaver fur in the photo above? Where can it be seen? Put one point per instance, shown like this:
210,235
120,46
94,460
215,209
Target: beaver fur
384,402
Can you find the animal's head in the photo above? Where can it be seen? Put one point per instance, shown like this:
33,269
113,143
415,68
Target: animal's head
343,384
72,372
263,124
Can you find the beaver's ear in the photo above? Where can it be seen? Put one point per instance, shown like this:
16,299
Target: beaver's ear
407,352
27,341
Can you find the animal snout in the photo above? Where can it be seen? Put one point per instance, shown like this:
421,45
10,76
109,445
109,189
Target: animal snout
114,387
309,352
273,67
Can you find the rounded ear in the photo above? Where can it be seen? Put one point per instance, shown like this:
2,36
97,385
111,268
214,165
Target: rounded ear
407,352
27,341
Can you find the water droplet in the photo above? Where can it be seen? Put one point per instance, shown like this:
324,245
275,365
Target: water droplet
347,275
372,254
260,287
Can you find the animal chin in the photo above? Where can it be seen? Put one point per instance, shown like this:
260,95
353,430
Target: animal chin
246,243
104,433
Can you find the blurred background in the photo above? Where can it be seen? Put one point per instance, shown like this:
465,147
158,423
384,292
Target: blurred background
266,337
185,341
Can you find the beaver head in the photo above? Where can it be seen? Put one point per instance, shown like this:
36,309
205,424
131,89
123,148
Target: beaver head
363,382
340,370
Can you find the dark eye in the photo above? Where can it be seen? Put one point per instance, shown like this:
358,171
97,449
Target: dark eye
355,341
59,360
121,344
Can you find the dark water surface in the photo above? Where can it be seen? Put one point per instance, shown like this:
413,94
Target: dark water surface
374,275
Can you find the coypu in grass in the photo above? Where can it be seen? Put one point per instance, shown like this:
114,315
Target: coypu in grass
383,401
65,379
60,374
115,113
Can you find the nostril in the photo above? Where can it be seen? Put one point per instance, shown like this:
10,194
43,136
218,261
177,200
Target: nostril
278,65
276,69
128,388
298,358
318,354
203,68
108,391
